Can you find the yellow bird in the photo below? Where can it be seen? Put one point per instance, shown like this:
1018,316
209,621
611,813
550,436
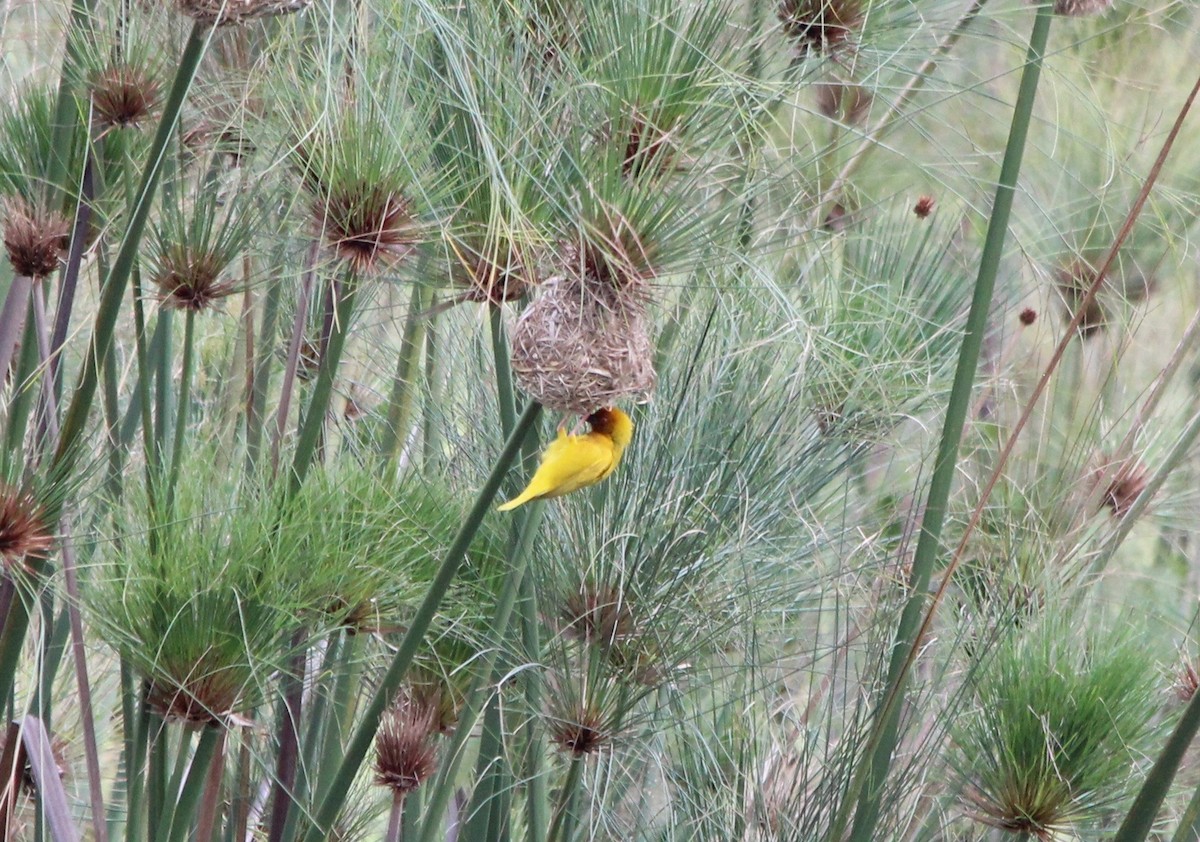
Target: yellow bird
570,462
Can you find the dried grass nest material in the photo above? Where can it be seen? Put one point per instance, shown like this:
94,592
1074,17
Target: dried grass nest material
582,346
227,12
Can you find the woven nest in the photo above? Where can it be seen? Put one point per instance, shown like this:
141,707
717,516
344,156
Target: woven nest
581,346
227,12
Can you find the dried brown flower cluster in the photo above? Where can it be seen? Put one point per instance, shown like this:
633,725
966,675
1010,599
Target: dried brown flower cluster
1080,8
406,750
846,102
191,279
578,728
124,95
23,531
368,225
35,239
820,26
204,695
1125,484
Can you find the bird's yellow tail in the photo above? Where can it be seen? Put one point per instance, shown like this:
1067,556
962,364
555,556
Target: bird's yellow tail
519,500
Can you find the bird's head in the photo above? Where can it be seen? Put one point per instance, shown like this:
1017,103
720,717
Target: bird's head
613,423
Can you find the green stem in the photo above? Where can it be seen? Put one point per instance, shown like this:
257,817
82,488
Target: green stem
163,377
16,624
176,823
563,825
181,416
318,403
867,786
537,803
22,402
489,768
156,778
430,431
1140,818
404,390
360,744
443,786
210,803
504,382
256,412
140,784
1188,829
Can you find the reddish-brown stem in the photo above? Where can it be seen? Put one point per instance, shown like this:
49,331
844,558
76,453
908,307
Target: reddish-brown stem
1068,335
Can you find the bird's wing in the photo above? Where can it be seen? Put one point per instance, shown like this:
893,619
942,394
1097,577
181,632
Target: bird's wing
570,463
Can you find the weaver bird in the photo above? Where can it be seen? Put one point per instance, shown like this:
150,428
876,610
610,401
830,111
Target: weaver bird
570,462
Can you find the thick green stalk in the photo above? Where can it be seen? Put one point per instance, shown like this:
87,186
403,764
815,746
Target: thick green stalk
16,624
22,404
504,382
181,413
443,786
488,768
867,785
430,431
537,796
341,721
564,814
210,803
318,403
404,384
176,822
163,380
1141,815
123,785
67,117
256,411
1188,829
140,784
156,778
360,744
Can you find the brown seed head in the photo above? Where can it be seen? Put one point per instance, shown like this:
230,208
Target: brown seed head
1187,681
191,280
597,614
494,273
197,695
23,532
124,95
837,219
367,225
582,731
1073,281
35,239
405,747
820,26
1126,483
846,102
647,149
1012,814
1028,316
1080,8
924,207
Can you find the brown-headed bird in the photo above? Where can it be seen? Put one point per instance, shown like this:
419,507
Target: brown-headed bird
571,462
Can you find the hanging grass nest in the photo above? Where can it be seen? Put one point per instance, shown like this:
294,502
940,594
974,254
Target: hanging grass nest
584,343
227,12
